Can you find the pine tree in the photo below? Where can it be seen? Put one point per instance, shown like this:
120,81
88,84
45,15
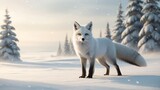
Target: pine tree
59,52
67,50
150,33
9,51
100,34
119,27
108,34
132,24
72,48
158,26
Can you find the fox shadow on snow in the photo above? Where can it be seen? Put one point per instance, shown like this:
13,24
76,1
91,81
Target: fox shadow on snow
138,80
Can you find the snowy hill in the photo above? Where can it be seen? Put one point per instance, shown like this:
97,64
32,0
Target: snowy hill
59,73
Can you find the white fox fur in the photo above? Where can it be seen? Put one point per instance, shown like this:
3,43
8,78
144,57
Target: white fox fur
103,49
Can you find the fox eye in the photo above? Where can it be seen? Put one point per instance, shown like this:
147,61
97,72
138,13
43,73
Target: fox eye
79,34
86,34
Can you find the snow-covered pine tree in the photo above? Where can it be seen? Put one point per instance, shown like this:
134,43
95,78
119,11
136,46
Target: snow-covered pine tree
67,50
9,51
150,33
119,27
159,22
108,33
132,24
100,34
72,48
59,52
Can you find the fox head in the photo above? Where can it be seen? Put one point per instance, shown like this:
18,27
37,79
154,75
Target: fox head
82,33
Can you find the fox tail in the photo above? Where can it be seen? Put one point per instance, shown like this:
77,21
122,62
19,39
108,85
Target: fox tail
129,55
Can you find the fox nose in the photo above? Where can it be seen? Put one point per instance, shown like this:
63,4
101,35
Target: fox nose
82,39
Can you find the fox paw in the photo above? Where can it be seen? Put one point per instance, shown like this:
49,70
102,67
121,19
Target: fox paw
81,76
119,74
89,76
106,74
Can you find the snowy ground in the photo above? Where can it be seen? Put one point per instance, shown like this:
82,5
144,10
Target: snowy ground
43,72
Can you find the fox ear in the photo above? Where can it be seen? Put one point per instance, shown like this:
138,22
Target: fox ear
76,25
89,26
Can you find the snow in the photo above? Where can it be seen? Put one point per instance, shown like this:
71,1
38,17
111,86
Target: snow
41,72
3,50
144,18
148,6
126,39
148,29
131,19
156,35
142,41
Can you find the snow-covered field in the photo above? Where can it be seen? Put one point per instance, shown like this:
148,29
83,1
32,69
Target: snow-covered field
43,72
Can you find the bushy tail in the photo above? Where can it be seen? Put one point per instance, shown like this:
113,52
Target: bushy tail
129,55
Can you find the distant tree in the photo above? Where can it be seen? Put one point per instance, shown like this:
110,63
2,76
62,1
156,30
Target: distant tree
9,51
158,26
100,34
150,33
59,52
108,33
67,50
72,48
132,24
119,27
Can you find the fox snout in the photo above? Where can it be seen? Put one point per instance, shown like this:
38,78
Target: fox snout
83,39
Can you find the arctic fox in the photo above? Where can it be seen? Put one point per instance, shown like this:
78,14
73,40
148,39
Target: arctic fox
89,48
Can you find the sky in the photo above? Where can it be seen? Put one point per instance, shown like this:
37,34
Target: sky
41,24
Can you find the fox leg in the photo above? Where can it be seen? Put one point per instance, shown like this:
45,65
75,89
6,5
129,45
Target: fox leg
118,69
111,57
113,61
91,68
83,63
104,63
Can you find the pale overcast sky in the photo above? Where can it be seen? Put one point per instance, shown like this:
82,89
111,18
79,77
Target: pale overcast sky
40,24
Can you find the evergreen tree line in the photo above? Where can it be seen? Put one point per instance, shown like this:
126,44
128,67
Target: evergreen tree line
140,27
9,51
68,49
